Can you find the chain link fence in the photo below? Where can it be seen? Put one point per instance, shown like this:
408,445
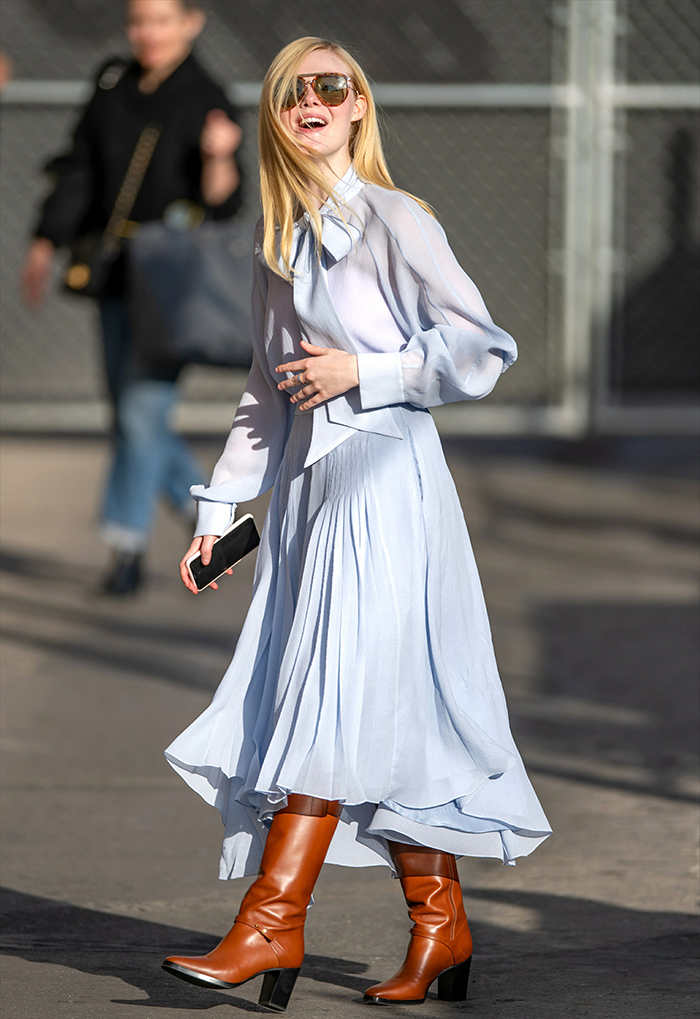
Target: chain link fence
658,41
656,316
486,143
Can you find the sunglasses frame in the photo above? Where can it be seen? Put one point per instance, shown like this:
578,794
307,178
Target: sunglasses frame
311,79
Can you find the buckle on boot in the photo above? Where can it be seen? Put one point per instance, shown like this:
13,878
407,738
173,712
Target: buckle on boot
264,931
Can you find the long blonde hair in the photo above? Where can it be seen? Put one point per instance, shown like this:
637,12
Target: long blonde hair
287,173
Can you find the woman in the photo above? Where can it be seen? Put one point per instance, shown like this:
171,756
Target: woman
362,719
193,161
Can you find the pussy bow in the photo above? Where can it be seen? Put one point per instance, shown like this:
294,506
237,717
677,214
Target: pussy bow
338,418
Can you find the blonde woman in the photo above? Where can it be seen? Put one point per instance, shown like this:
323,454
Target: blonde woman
362,720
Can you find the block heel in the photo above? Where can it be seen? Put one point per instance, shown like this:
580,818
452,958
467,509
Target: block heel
277,988
452,984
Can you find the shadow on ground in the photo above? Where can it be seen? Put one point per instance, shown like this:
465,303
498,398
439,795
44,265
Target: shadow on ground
630,956
110,636
617,704
104,944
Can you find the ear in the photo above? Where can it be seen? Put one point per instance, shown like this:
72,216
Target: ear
196,21
359,110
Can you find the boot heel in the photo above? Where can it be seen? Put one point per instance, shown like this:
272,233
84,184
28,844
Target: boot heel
277,988
452,984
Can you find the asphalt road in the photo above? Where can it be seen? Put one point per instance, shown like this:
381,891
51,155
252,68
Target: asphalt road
588,556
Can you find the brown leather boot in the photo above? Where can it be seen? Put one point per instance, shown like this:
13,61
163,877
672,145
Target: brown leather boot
441,943
268,933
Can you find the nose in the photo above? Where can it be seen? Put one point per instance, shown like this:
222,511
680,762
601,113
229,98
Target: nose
309,97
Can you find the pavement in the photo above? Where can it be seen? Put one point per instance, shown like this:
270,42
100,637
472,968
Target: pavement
588,556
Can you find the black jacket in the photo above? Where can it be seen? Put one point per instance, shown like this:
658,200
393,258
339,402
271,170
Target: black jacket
88,178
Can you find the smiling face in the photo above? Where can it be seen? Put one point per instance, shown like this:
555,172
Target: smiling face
324,131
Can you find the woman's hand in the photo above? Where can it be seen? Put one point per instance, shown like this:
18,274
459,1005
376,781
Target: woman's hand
36,271
220,136
218,142
203,545
327,373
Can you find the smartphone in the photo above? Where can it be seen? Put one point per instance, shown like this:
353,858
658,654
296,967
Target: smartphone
235,543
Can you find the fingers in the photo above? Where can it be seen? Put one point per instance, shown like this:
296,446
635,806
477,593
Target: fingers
300,366
292,366
310,387
288,383
184,572
203,545
316,351
315,399
220,137
236,135
294,382
187,579
207,545
317,378
305,393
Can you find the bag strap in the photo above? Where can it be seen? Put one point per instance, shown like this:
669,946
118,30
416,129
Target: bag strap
113,235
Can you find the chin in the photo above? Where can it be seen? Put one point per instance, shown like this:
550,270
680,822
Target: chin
313,143
152,61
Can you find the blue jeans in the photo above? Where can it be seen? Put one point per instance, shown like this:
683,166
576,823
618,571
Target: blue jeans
149,460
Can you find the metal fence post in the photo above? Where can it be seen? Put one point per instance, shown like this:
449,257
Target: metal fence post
588,214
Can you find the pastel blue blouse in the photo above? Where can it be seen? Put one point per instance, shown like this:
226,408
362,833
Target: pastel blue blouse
387,287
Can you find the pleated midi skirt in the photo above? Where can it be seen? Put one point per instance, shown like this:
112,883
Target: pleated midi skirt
365,670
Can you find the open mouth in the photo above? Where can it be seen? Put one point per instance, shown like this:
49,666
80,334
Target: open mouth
311,123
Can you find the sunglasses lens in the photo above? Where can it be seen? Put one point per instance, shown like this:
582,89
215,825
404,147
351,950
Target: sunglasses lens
291,97
331,89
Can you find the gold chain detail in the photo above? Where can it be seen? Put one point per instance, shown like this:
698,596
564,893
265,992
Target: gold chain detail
114,231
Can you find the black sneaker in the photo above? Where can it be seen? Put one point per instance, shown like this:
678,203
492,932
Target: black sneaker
126,574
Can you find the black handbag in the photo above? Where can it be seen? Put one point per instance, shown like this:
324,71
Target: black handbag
94,254
189,290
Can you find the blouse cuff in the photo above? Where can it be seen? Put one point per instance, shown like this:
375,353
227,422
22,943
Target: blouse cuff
381,380
213,517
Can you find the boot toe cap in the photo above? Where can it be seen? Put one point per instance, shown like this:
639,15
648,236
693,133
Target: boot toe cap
393,992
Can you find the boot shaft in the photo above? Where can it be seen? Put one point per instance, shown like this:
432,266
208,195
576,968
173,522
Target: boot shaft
430,883
296,847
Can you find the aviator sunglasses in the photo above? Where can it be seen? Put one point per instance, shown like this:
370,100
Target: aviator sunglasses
331,89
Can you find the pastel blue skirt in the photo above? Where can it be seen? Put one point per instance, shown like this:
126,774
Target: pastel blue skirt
365,670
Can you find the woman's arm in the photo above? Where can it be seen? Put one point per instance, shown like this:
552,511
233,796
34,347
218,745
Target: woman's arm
454,351
63,211
253,451
248,465
65,208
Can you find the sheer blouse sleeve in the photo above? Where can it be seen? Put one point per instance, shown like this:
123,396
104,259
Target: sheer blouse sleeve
454,350
253,451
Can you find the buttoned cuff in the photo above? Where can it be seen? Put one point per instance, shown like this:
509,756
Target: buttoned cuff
381,380
213,517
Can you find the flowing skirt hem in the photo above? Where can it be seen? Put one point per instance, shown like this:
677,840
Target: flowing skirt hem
361,837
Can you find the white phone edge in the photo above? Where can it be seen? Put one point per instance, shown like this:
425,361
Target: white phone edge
231,527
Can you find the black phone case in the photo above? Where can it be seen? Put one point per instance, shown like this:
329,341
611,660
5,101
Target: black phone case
227,551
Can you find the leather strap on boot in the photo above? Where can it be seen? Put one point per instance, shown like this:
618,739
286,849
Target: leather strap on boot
422,861
311,806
